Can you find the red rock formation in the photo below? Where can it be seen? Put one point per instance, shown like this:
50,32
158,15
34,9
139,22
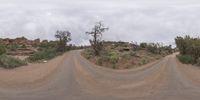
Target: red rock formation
20,41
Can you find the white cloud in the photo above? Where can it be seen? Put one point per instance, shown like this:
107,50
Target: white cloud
128,20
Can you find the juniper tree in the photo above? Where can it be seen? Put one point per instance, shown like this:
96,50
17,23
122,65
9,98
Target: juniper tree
63,38
96,33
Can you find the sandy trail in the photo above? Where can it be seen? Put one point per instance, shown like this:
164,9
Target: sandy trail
75,78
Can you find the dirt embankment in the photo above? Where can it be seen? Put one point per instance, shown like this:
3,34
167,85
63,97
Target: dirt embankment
29,74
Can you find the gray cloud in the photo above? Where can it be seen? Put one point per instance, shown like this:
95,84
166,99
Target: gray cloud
128,20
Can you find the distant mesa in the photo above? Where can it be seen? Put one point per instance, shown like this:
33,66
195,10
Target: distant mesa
30,45
22,41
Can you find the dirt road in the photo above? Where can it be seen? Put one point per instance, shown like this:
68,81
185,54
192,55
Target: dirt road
78,79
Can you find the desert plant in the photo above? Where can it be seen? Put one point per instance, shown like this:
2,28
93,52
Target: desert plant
143,45
9,62
23,46
127,55
152,47
44,54
51,44
12,47
88,53
186,59
113,57
189,46
63,37
132,53
96,33
182,44
144,61
2,49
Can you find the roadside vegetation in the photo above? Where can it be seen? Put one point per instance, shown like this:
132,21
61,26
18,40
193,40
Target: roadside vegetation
124,55
52,49
44,54
37,53
9,62
121,55
189,49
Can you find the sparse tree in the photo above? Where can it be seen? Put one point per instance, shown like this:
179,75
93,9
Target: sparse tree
189,46
64,37
96,33
181,44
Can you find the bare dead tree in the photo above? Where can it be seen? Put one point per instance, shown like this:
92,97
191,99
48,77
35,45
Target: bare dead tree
96,33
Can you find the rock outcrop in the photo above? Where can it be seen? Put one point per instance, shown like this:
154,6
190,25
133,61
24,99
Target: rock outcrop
28,47
20,41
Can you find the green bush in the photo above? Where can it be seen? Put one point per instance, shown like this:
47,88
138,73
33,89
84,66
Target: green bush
51,44
113,57
88,53
44,54
127,55
186,59
152,47
132,53
2,49
12,47
144,61
9,62
143,45
23,46
189,46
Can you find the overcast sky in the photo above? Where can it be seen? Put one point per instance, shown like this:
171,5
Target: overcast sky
128,20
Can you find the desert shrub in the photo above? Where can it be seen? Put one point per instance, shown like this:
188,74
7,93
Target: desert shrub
23,46
12,47
88,53
132,53
9,62
126,55
44,54
189,46
113,57
182,44
186,59
143,45
2,49
152,47
157,48
105,57
144,61
168,49
51,44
